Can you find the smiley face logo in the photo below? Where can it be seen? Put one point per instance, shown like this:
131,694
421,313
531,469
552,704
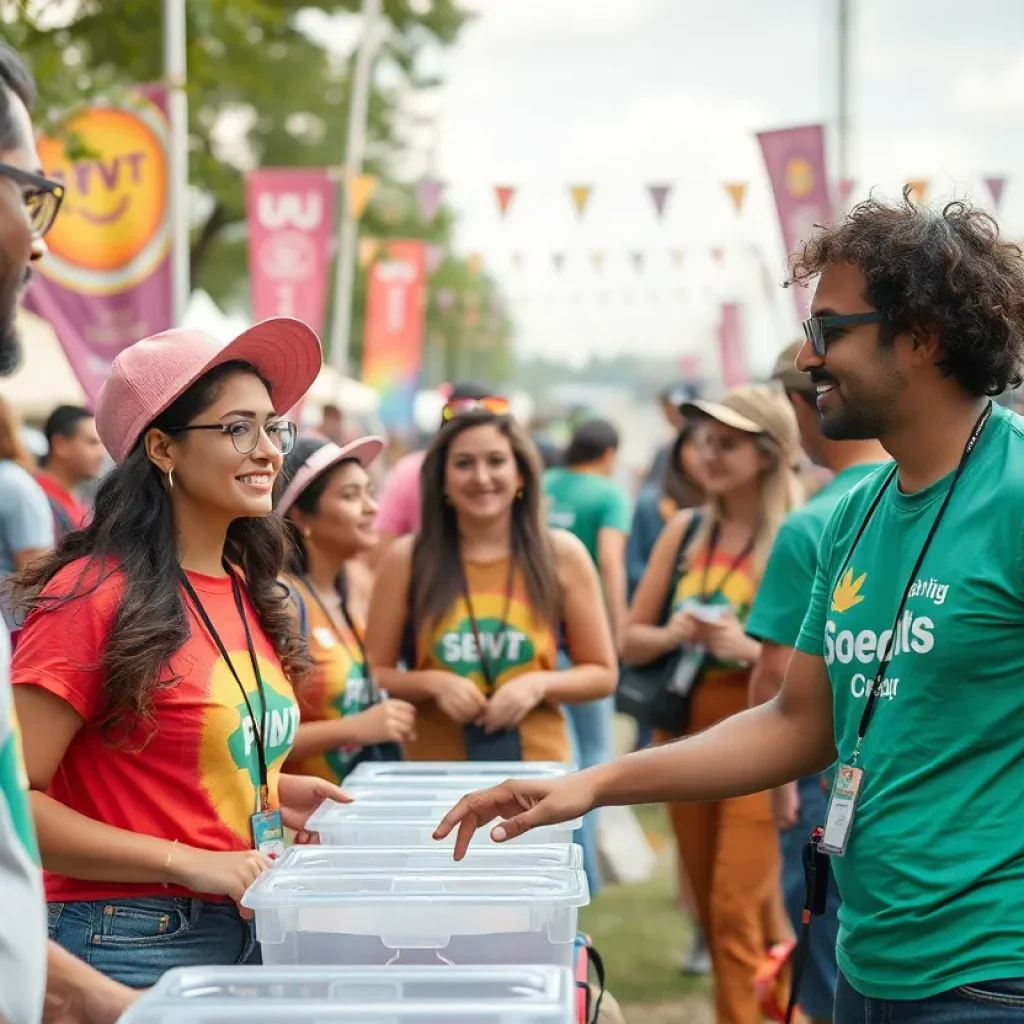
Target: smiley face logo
799,177
114,226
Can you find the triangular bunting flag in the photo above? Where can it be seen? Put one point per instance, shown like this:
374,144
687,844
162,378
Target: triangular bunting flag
359,191
638,259
677,257
428,197
435,256
368,249
995,187
504,194
918,189
659,196
517,260
558,258
445,299
737,192
845,191
597,260
718,255
474,261
580,197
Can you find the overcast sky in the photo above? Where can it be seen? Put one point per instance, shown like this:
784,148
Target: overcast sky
618,94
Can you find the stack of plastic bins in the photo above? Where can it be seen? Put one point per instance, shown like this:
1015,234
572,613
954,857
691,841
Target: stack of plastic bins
500,907
452,774
399,995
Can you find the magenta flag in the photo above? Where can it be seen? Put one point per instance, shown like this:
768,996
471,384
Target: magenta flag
731,349
995,187
106,282
795,160
291,216
428,197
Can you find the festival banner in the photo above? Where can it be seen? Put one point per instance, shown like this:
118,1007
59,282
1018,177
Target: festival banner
106,282
395,326
731,350
737,192
504,195
291,217
995,187
580,198
659,196
795,161
428,197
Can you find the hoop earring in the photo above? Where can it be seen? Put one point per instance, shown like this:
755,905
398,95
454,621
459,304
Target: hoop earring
307,533
519,494
170,479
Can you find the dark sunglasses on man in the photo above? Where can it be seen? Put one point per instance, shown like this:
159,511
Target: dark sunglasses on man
42,196
821,331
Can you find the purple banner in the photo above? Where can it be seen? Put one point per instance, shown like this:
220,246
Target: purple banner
106,282
795,159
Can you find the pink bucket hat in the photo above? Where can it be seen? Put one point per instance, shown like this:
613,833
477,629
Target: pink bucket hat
363,450
150,375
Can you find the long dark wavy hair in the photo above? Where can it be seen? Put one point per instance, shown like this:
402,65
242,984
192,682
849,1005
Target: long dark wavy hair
436,582
132,533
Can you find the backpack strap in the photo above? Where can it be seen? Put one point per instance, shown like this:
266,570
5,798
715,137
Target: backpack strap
677,566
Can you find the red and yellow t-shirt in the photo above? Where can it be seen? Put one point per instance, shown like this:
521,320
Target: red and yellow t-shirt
197,777
339,687
528,644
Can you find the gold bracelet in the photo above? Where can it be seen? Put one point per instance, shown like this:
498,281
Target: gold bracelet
167,865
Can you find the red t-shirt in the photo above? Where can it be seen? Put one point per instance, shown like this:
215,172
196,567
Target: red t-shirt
55,490
197,778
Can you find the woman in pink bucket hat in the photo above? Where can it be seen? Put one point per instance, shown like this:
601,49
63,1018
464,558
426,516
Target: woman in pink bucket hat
155,671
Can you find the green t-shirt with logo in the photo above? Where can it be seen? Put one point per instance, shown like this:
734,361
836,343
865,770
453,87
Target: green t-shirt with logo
785,589
585,504
933,877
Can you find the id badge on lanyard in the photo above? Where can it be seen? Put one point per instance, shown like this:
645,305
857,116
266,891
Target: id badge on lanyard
842,807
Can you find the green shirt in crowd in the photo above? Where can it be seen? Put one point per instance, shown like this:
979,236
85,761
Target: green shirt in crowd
933,878
585,504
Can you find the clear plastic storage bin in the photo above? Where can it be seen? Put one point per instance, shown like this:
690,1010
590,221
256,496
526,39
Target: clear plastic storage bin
431,773
388,820
381,995
380,860
520,915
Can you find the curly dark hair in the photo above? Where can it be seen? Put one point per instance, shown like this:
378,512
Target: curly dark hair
132,534
948,268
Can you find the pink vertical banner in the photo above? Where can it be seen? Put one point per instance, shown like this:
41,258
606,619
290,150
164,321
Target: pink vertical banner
795,160
395,324
106,282
731,349
291,217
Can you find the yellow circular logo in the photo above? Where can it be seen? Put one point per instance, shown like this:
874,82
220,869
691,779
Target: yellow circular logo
113,229
799,177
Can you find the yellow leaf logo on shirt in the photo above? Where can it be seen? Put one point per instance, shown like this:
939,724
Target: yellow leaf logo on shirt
847,592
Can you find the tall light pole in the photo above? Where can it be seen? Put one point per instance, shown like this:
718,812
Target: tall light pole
175,79
355,148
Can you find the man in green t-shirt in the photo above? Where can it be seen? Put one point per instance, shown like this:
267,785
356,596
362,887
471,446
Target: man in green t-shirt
775,620
918,316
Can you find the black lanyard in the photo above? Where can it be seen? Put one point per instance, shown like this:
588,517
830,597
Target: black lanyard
485,666
365,666
887,653
736,563
257,731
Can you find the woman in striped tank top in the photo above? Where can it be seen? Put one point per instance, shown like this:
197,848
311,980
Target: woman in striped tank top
329,506
484,591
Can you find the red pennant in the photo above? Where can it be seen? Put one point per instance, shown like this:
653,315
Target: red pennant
504,194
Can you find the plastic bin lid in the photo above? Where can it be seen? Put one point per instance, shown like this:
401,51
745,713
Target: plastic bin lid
284,887
567,856
490,771
364,994
388,809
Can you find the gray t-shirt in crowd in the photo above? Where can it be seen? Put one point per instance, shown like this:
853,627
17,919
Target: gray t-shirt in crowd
23,919
26,520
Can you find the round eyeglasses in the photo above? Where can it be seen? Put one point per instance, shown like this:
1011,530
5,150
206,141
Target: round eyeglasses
245,434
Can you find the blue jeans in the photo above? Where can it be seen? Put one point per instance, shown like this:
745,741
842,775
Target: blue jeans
590,728
136,941
817,991
987,1002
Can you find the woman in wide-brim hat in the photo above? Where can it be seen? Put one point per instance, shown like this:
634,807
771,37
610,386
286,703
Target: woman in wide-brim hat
154,678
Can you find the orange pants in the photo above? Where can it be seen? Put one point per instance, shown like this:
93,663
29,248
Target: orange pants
730,851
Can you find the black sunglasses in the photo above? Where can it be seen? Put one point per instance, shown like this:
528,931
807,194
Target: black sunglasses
42,196
817,328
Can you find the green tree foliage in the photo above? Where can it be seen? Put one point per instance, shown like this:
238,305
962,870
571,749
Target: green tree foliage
262,90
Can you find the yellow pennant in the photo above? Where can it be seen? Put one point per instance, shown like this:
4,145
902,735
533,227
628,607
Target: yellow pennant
580,197
918,189
737,192
597,260
677,257
359,191
474,261
368,249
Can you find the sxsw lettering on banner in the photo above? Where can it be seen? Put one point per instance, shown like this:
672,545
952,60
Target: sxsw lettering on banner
288,256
